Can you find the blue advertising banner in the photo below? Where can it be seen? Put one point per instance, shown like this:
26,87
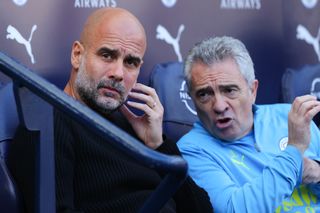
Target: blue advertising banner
279,34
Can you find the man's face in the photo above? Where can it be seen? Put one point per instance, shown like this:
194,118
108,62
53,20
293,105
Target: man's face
109,65
88,90
223,99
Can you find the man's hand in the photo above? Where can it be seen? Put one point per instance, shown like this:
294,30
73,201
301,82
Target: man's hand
148,127
311,171
303,109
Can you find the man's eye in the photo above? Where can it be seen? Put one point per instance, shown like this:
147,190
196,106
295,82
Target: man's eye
231,92
203,96
132,63
106,56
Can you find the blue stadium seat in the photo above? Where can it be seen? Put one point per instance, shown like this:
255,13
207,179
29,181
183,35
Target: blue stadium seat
27,159
10,197
302,81
179,112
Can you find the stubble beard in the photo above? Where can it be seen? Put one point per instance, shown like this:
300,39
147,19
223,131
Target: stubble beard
87,88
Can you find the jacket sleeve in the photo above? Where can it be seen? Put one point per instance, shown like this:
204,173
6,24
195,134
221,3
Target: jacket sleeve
263,194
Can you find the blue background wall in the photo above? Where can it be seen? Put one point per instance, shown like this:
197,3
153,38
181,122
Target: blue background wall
267,27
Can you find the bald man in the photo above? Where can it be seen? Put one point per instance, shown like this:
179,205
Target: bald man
91,176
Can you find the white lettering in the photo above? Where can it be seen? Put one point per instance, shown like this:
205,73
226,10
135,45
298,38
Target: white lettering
101,3
87,3
223,4
184,95
94,3
77,3
258,4
248,4
233,4
240,4
113,3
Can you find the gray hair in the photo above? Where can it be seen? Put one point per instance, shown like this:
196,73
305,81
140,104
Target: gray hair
216,49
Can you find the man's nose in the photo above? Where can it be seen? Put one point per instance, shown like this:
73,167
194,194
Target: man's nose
220,105
116,71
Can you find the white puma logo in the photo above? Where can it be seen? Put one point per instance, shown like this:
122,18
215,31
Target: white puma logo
309,3
20,2
304,34
163,34
169,3
14,34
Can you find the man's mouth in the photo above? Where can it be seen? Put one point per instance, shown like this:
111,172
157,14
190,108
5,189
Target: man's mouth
109,91
224,123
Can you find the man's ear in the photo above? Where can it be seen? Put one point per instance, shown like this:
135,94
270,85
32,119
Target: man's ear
76,54
254,89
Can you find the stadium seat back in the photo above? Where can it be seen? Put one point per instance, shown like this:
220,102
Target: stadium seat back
27,157
302,81
179,112
10,196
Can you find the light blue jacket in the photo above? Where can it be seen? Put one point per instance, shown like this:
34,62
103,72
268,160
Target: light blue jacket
257,173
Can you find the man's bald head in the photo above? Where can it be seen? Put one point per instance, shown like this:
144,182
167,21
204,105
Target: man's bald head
113,19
